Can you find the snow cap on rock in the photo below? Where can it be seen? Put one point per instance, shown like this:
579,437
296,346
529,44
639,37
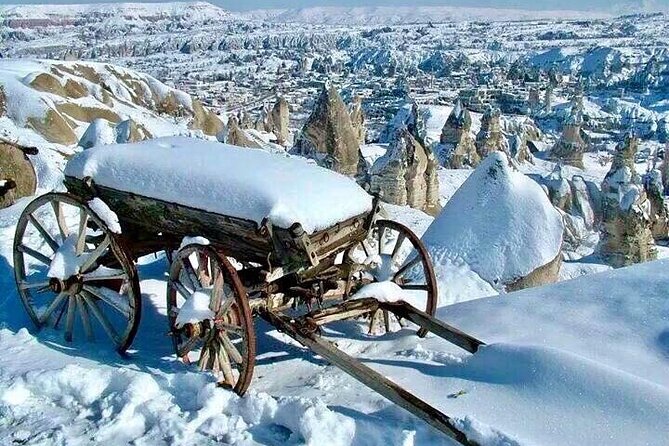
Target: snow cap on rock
500,222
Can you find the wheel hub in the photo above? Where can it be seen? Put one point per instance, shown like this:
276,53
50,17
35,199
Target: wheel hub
71,285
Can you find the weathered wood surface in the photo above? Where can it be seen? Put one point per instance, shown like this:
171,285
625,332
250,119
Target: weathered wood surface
367,376
151,224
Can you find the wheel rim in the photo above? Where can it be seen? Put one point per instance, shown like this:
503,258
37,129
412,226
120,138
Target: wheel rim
394,253
72,272
217,332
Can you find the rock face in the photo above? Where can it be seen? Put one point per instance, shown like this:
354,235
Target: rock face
406,174
501,224
456,147
570,147
358,120
70,95
236,136
659,212
280,120
129,131
490,138
579,201
328,136
3,102
17,174
626,224
519,150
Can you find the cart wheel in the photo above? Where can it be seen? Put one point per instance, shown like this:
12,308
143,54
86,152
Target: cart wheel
215,316
392,252
70,266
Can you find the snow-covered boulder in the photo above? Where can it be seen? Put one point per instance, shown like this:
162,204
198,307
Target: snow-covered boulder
502,225
100,132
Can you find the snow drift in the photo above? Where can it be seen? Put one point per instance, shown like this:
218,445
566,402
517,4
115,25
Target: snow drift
500,223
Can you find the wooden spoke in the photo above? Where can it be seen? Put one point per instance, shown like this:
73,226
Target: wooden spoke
115,277
51,308
191,275
99,315
225,306
236,329
407,265
233,353
413,286
85,318
187,346
379,237
182,289
81,236
34,254
94,255
226,367
398,244
29,286
116,301
60,219
69,320
60,315
45,234
205,355
216,292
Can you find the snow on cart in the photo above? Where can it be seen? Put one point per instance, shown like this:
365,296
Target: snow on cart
247,234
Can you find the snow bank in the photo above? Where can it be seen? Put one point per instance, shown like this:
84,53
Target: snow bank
119,406
499,222
224,179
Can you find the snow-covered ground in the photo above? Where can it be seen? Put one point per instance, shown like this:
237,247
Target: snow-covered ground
572,363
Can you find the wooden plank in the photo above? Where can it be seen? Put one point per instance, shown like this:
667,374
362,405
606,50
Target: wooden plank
434,325
343,311
368,377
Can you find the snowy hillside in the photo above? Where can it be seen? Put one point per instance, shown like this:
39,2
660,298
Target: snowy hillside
403,15
58,100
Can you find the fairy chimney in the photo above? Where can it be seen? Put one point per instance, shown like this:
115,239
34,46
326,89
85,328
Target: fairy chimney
407,174
519,150
279,120
626,224
659,213
329,138
358,120
237,137
490,138
570,147
456,145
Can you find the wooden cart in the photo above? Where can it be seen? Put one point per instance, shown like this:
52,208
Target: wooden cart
242,269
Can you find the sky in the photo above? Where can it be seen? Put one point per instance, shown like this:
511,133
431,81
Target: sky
615,6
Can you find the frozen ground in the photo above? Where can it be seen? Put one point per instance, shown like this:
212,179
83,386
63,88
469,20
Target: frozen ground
568,364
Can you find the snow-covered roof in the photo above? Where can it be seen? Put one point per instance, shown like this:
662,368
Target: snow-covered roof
224,179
